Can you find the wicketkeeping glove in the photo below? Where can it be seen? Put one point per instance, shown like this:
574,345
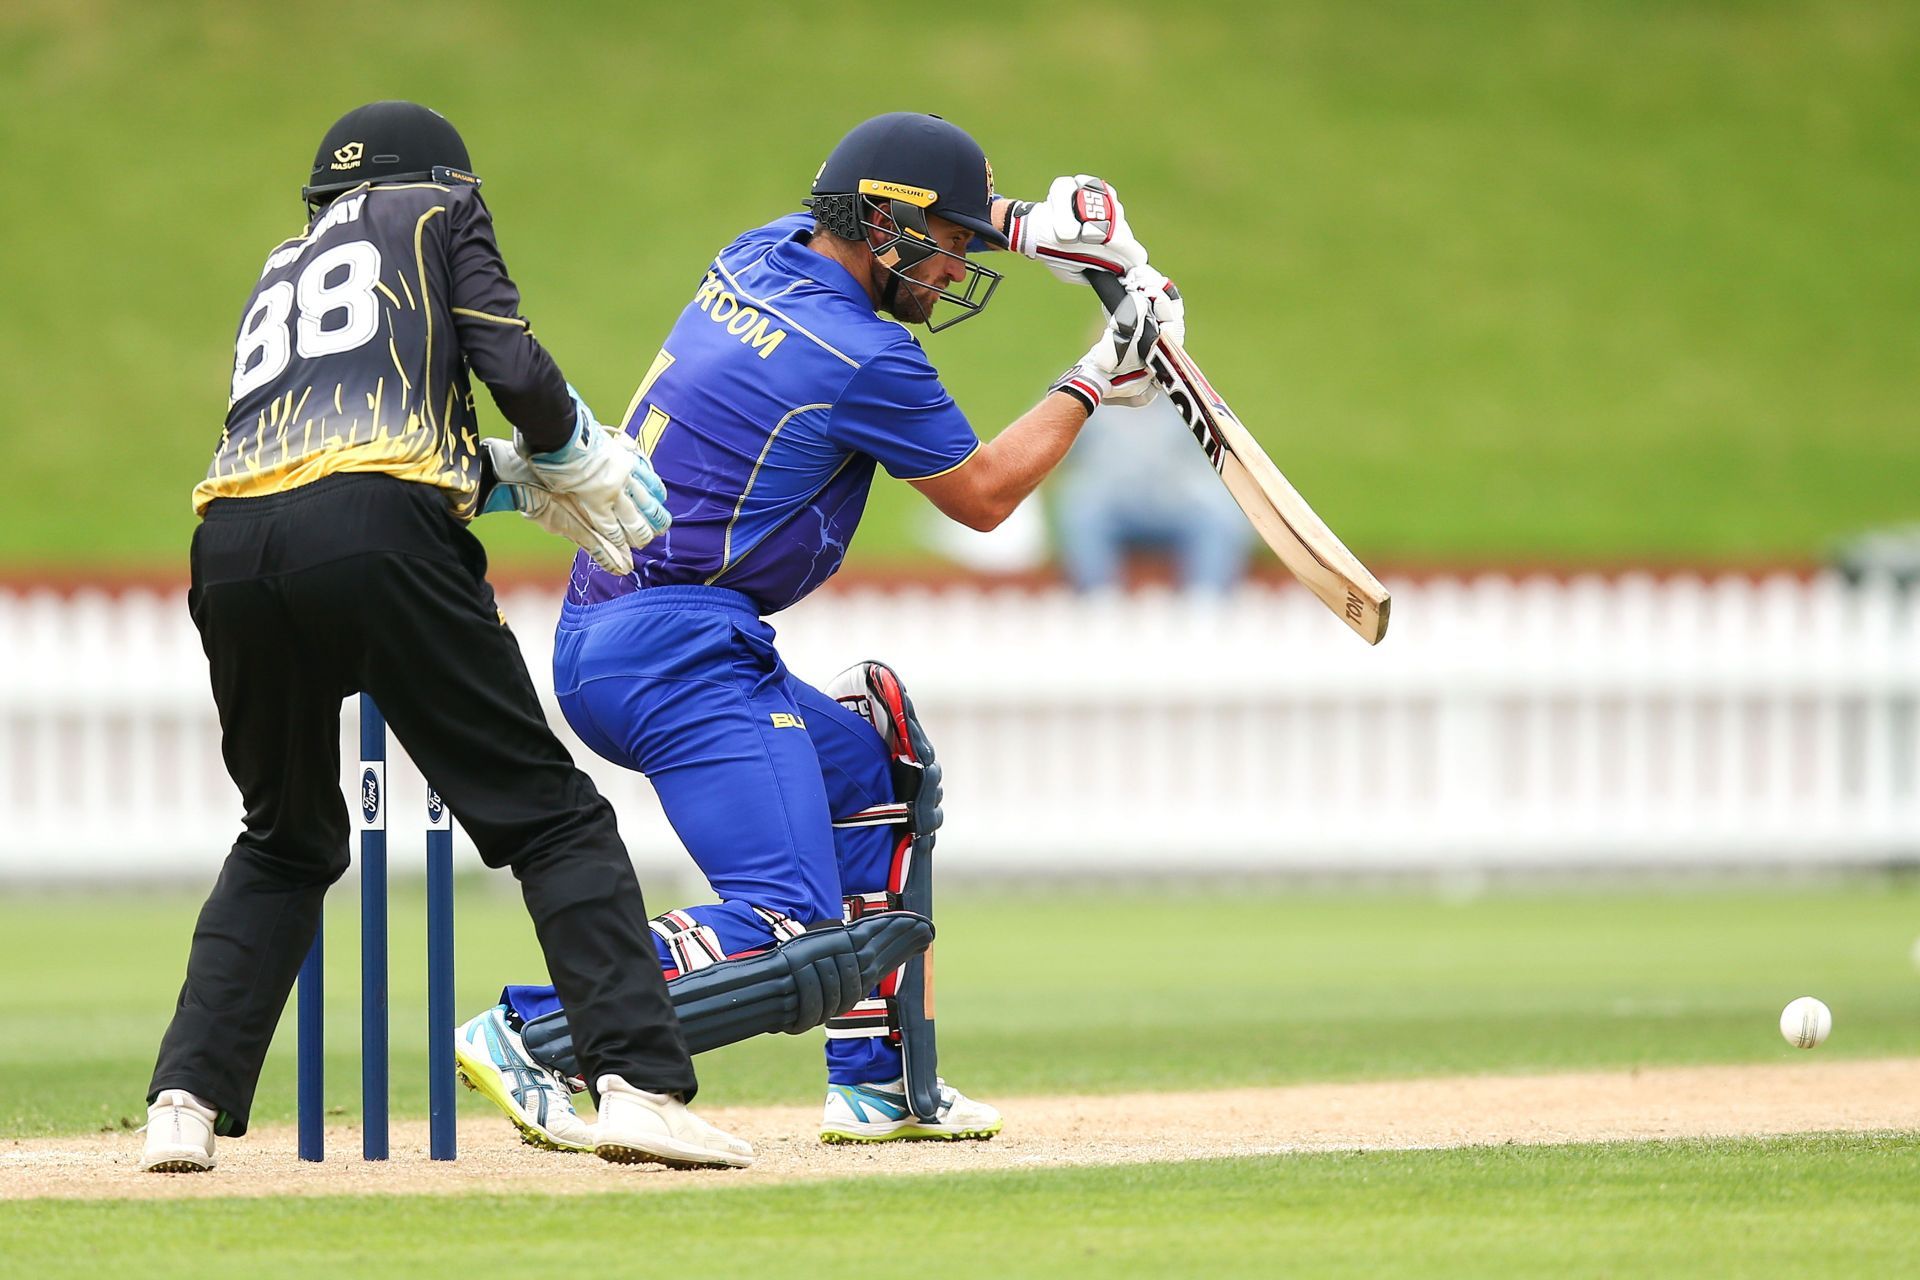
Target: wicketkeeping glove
597,490
1080,225
614,487
519,488
1117,363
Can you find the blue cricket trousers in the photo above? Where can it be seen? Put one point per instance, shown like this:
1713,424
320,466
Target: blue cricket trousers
751,765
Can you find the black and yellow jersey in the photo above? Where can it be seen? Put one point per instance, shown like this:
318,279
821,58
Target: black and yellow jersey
353,351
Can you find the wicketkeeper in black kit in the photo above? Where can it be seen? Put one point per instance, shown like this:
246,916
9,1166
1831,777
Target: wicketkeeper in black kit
334,557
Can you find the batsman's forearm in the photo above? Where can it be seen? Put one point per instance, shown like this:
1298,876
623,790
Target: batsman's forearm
997,476
1019,458
1040,437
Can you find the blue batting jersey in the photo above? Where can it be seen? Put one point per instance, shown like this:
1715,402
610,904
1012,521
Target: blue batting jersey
765,412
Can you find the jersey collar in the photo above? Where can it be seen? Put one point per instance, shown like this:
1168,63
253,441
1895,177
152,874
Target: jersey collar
793,257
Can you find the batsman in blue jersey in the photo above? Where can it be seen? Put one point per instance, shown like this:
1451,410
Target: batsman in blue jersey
791,374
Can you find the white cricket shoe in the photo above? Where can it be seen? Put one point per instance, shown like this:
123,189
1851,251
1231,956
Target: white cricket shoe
179,1134
879,1113
492,1059
637,1127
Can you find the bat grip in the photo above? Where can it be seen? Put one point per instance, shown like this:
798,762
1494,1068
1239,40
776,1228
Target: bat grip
1107,287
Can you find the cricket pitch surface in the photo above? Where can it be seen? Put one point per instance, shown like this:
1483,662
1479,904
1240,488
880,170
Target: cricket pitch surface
1640,1105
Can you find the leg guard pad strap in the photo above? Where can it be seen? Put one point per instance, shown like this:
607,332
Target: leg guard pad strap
901,1009
793,987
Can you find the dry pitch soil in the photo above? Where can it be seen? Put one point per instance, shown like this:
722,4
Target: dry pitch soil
1667,1102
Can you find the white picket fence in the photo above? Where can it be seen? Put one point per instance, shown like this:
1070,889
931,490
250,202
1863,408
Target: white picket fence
1533,723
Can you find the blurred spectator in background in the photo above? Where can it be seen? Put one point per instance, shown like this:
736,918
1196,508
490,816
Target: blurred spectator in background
1135,481
1891,554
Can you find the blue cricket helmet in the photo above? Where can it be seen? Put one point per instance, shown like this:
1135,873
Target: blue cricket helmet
880,185
921,160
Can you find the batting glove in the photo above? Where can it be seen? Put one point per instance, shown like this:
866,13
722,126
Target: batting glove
1078,227
1168,312
1116,366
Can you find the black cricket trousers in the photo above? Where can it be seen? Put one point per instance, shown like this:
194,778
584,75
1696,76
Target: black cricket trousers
366,583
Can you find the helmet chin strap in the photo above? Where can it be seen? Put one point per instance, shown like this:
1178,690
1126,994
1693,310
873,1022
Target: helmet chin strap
888,258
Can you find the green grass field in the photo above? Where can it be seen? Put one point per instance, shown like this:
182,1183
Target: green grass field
1080,994
1269,988
1786,1207
1565,278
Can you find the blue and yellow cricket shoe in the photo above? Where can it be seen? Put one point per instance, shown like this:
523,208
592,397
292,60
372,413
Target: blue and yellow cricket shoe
490,1058
879,1113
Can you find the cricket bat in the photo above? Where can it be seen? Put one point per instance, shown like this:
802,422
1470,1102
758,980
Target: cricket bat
1275,508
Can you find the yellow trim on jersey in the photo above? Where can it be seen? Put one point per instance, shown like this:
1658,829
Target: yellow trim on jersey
481,315
307,232
394,352
726,542
426,297
766,305
935,475
391,456
399,449
769,533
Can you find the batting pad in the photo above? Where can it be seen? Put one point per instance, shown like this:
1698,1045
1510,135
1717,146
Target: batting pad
791,988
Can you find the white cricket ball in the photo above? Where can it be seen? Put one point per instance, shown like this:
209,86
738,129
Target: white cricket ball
1806,1022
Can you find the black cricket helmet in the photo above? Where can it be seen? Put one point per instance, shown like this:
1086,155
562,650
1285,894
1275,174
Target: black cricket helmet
387,142
908,165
